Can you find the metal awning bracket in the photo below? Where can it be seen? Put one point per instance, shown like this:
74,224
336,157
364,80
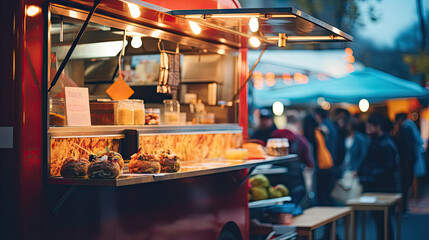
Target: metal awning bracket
74,44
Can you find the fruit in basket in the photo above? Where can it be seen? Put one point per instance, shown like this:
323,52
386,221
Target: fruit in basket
144,163
259,181
74,167
259,193
274,193
282,189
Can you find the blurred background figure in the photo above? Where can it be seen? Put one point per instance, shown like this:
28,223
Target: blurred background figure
355,147
266,125
379,169
298,143
324,174
329,130
410,147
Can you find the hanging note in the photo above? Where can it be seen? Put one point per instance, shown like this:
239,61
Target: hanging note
120,90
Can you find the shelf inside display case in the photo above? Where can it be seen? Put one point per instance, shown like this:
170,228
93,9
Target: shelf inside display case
118,130
188,169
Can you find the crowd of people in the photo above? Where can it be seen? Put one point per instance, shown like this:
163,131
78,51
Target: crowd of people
382,156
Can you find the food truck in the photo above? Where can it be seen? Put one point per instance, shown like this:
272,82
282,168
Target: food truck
63,66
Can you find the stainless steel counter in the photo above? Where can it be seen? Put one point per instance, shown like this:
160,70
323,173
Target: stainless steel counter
191,169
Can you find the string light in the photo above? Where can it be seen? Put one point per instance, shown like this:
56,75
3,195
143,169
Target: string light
253,24
278,108
254,42
136,42
363,105
134,10
195,27
33,10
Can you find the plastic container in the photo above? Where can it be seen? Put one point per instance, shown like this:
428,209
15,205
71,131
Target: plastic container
206,118
57,112
125,112
171,112
139,112
152,116
278,146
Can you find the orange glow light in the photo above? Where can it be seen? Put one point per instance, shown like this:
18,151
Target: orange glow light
33,10
350,67
350,59
258,83
298,78
257,74
304,79
287,78
348,51
270,79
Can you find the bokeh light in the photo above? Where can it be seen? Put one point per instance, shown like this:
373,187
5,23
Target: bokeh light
278,108
363,105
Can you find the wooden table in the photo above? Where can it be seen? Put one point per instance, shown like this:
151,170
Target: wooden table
316,217
383,203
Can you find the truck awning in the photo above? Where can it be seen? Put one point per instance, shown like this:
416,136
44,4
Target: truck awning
293,25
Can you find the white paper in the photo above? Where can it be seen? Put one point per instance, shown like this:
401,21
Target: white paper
77,106
366,199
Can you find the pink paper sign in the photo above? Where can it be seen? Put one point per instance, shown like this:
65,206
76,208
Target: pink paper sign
77,106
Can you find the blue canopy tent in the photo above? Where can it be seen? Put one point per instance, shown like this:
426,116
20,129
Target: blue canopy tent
371,84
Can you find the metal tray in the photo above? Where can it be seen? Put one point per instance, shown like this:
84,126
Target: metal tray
131,179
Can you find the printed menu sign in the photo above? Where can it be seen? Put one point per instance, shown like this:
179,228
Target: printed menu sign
77,106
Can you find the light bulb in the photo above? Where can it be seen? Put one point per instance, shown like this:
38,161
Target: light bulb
253,24
363,105
136,42
278,108
134,10
195,28
33,10
254,41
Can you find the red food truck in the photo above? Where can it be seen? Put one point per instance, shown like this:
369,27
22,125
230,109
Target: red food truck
50,45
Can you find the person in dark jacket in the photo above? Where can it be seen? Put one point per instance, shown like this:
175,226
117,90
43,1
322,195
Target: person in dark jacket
410,147
379,169
266,125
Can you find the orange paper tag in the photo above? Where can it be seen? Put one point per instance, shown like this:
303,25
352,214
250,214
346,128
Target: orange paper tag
120,90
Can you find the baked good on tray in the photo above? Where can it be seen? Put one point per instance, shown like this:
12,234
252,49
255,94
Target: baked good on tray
144,163
105,165
169,161
74,167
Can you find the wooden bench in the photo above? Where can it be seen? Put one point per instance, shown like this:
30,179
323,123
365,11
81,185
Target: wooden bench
383,202
316,217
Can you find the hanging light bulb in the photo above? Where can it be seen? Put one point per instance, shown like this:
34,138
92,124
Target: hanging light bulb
254,41
136,42
278,108
254,24
195,28
363,105
134,10
33,10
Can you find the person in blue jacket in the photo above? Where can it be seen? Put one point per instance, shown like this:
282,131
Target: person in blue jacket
410,147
